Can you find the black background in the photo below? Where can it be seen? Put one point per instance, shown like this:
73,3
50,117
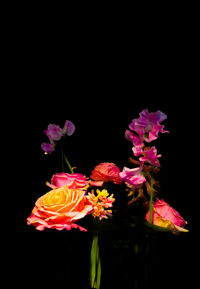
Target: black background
101,120
101,88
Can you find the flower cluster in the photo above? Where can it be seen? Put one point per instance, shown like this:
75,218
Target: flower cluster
55,133
146,129
100,203
143,131
69,201
74,196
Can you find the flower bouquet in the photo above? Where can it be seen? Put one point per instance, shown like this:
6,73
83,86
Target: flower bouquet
110,199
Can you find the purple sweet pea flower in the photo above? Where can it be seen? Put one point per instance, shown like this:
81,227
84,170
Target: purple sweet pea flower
68,128
148,122
54,132
132,177
48,147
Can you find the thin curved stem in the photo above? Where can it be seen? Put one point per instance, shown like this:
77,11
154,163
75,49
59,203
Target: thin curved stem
64,158
95,264
151,199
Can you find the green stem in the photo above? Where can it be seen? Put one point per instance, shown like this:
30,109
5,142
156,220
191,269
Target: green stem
63,166
146,263
64,158
151,199
95,264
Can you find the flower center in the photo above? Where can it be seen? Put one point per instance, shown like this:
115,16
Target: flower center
55,198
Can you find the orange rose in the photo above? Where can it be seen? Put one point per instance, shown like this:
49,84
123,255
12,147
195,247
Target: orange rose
60,209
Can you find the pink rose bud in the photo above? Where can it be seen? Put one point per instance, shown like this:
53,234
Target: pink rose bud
165,216
72,181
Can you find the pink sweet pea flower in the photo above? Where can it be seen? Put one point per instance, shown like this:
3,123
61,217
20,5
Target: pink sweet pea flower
165,216
150,156
137,150
149,123
137,142
153,134
132,177
135,139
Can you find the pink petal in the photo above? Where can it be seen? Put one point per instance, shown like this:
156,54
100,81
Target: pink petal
96,183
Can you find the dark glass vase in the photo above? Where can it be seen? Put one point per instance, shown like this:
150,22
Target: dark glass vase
125,252
125,259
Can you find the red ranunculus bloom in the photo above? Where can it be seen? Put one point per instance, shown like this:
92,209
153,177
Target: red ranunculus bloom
105,172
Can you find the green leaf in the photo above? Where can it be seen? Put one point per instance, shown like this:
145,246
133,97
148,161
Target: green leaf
98,281
93,261
157,228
